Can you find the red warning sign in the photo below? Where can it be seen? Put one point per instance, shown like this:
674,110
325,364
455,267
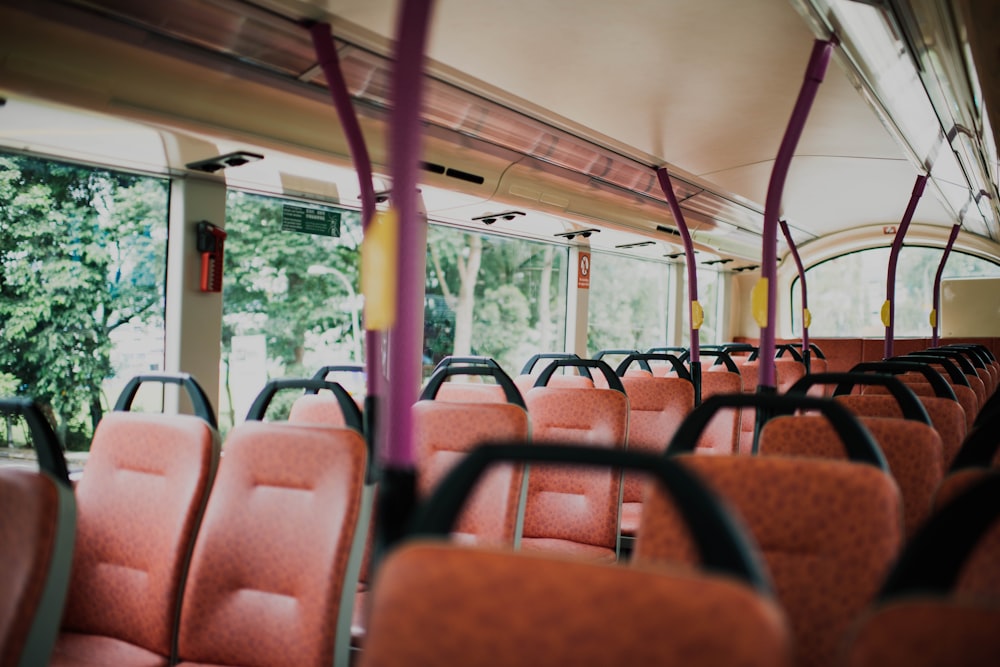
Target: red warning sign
583,271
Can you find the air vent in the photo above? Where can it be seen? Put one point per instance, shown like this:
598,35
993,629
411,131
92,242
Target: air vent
750,267
490,218
436,168
716,261
637,244
585,233
432,167
667,230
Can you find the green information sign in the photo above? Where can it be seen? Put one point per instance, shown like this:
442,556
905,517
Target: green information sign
320,221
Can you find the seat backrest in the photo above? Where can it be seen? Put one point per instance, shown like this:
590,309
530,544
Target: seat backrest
441,605
444,432
946,416
444,604
940,605
722,434
37,530
139,503
828,532
657,406
566,504
912,450
267,580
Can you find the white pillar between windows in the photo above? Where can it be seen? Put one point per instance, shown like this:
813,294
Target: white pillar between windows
577,303
193,317
678,333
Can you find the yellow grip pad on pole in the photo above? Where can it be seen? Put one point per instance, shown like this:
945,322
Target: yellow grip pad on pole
379,260
697,315
758,302
886,309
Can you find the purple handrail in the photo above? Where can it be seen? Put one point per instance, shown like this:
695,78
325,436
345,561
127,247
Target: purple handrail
936,313
818,62
889,308
694,353
802,281
406,336
326,55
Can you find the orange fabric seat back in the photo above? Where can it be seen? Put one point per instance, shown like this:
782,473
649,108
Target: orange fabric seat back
442,605
470,392
722,433
828,532
317,409
657,406
268,569
946,415
912,450
139,502
37,529
444,432
940,605
788,371
565,504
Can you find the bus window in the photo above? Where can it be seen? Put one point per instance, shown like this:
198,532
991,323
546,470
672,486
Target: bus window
500,297
290,295
82,285
851,307
628,303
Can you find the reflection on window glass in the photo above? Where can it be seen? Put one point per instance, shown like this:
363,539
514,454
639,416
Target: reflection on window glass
291,299
82,287
628,303
708,297
846,293
499,297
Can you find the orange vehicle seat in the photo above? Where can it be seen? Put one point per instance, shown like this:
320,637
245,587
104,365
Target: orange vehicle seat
828,532
569,510
37,530
139,504
267,581
912,450
657,406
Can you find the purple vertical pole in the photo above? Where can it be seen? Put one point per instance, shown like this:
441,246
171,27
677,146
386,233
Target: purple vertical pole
802,281
694,354
818,61
398,485
406,336
889,309
326,55
936,317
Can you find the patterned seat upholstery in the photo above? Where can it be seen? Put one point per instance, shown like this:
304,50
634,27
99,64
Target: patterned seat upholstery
139,504
946,415
444,605
912,450
657,406
722,434
317,409
941,603
828,532
267,580
36,548
571,510
446,431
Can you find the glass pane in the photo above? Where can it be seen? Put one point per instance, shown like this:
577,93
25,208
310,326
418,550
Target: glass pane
82,286
846,293
290,298
503,298
708,297
628,303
